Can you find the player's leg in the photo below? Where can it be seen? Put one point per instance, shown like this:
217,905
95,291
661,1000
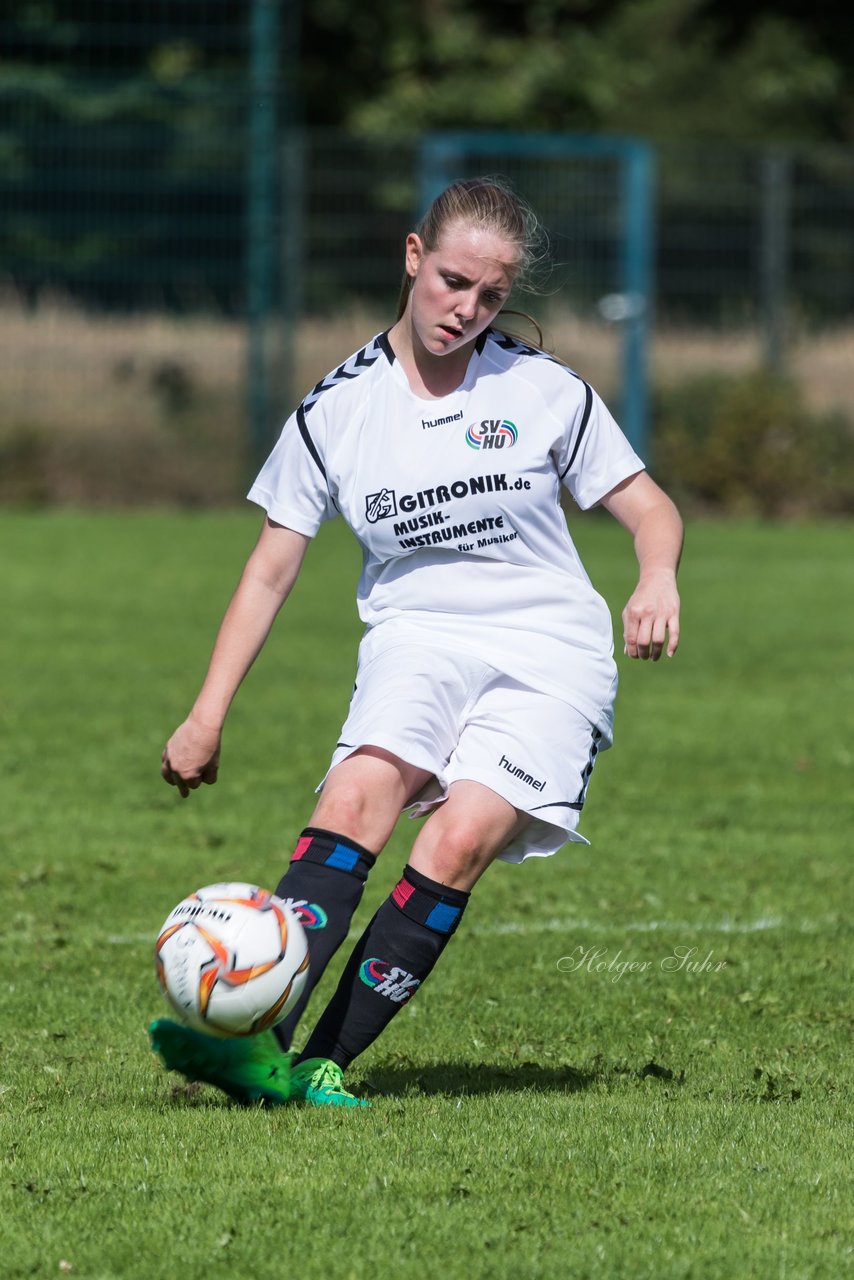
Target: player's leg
360,802
362,797
465,834
515,783
407,935
410,699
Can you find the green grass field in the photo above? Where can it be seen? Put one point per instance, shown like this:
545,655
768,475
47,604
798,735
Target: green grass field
634,1060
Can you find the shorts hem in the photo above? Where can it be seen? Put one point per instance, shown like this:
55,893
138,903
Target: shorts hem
539,839
418,759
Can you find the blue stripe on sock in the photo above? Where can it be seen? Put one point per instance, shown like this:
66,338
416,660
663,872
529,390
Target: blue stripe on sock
343,858
443,917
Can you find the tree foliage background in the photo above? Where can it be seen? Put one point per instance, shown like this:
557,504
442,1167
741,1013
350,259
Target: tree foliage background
774,70
661,68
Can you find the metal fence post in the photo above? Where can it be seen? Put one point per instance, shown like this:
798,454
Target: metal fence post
637,253
260,222
291,254
776,175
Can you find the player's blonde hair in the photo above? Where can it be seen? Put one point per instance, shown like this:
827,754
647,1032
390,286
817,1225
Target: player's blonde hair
489,205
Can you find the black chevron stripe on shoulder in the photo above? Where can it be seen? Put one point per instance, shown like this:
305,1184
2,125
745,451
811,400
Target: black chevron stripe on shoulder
362,360
346,372
515,345
507,343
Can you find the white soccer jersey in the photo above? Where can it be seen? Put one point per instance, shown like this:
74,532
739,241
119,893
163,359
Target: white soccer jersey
456,503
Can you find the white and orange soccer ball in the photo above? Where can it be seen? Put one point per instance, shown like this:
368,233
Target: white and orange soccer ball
232,959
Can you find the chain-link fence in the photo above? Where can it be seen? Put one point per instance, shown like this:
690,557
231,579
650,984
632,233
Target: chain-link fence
152,213
742,230
122,152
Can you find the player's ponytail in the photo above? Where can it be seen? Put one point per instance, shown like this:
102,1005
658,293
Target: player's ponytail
489,205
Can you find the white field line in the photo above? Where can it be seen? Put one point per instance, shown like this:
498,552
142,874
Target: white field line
571,924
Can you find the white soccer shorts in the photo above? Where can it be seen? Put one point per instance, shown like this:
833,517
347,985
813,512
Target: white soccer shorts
457,718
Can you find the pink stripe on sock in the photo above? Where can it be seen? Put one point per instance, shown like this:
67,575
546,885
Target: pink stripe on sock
302,845
402,892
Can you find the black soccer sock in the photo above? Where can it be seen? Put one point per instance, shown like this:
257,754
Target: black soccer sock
393,957
323,884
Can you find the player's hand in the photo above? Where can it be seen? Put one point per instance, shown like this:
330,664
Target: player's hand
191,756
651,616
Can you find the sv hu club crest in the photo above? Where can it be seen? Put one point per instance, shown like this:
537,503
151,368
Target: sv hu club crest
492,433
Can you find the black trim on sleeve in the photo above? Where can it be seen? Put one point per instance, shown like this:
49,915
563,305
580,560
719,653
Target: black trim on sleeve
585,418
309,443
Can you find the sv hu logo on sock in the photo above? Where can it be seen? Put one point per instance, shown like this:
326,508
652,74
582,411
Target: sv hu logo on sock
310,915
388,980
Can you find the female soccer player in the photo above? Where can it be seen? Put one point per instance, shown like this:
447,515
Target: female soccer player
486,679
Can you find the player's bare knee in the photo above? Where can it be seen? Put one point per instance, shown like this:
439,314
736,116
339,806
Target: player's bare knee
345,808
461,855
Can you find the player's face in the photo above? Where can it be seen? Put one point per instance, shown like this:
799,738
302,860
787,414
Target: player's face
459,287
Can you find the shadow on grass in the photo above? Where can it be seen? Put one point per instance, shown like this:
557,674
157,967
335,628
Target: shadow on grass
461,1078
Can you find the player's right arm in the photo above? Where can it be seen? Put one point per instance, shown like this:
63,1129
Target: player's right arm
191,756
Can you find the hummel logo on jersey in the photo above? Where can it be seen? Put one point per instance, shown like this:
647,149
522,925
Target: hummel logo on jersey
427,423
492,433
379,506
388,980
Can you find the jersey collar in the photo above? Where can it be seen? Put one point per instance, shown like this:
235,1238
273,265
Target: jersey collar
382,341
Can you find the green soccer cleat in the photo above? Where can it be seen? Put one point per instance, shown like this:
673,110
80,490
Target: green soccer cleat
249,1070
319,1082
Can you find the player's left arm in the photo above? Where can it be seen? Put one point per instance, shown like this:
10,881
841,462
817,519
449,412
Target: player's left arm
651,617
